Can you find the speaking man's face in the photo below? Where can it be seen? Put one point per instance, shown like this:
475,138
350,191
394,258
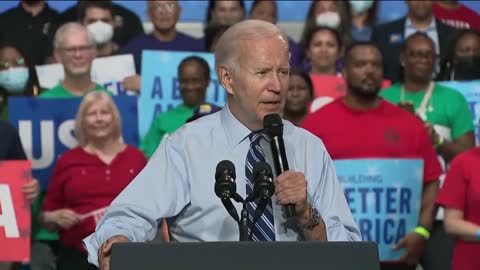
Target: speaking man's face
259,83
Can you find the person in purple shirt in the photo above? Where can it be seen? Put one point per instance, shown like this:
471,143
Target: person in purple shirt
267,11
164,15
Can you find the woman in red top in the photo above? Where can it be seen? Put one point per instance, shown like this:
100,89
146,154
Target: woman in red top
460,195
87,178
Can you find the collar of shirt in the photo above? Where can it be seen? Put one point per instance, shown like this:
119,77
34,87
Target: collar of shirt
409,27
235,131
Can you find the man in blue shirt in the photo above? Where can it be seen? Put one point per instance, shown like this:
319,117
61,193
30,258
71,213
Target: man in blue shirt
252,63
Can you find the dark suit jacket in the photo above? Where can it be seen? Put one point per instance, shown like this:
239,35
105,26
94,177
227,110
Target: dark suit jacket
389,38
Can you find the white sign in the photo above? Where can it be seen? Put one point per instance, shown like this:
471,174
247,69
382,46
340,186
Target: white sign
106,71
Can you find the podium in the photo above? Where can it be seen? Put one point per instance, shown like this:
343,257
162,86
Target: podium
246,256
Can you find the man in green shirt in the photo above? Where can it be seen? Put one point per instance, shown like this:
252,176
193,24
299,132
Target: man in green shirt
194,78
75,48
447,119
445,111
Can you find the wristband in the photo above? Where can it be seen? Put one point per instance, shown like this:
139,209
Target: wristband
440,142
424,232
478,234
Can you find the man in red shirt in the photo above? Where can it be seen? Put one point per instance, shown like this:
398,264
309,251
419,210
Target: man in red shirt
363,125
456,15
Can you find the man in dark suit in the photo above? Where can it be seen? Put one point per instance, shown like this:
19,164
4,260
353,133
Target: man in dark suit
390,36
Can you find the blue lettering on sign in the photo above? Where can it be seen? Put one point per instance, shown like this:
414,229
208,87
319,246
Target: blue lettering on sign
176,89
377,192
405,199
115,87
158,109
386,231
388,200
363,199
349,196
157,88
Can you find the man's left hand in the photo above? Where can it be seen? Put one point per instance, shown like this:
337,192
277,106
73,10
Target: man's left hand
414,245
291,188
31,189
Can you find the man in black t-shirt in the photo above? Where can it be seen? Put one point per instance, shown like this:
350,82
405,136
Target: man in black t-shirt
31,26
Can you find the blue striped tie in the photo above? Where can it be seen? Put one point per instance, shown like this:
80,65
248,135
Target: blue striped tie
264,229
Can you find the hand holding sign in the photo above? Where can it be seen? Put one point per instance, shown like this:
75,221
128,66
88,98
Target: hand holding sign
132,83
63,218
414,245
31,190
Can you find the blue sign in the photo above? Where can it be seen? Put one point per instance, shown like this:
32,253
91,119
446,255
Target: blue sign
384,196
160,87
471,92
46,128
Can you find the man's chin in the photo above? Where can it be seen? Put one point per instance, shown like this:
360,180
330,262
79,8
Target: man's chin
370,92
79,73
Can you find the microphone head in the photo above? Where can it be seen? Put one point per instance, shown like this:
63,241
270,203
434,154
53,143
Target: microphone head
263,186
273,124
262,167
225,165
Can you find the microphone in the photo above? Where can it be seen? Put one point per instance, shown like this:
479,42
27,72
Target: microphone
273,125
263,186
225,186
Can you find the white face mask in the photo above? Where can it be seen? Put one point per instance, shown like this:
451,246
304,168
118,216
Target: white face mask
360,6
14,80
102,32
328,19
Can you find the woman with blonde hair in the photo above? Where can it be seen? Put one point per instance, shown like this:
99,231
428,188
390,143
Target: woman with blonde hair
87,178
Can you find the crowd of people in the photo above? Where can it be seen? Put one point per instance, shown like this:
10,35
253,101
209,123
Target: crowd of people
263,71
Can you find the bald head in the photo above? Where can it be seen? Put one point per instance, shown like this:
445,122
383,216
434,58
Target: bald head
227,49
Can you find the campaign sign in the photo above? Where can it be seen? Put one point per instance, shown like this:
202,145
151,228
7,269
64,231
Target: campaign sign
471,92
160,87
47,128
384,197
109,72
14,211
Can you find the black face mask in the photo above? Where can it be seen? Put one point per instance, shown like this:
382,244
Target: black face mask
467,68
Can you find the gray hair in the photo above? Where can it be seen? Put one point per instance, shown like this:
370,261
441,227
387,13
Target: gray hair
69,28
227,49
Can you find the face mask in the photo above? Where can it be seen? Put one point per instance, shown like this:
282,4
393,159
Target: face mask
328,19
14,80
467,68
102,32
360,6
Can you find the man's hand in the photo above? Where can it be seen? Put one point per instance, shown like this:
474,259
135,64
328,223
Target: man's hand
132,83
31,189
63,218
408,106
414,245
104,250
291,188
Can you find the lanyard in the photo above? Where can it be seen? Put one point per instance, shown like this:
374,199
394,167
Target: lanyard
423,105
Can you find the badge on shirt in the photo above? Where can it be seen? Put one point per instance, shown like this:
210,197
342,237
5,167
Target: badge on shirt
395,38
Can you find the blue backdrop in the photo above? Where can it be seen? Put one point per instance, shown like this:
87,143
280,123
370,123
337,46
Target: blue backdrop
287,10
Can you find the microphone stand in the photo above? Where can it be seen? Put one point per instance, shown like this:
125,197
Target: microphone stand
243,222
